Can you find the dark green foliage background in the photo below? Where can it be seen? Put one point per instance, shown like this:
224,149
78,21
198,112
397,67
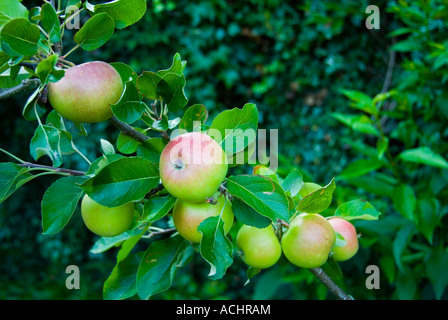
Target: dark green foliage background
290,59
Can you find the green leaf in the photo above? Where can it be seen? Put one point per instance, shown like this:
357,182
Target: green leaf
177,66
12,177
262,194
159,265
360,101
293,182
196,112
11,9
127,144
171,88
360,123
124,12
424,155
215,247
46,70
28,110
435,267
235,129
246,215
360,167
47,141
404,200
122,282
318,200
105,243
20,37
151,149
95,32
107,147
427,216
50,22
121,181
332,269
401,241
357,209
129,108
147,84
59,202
125,71
156,208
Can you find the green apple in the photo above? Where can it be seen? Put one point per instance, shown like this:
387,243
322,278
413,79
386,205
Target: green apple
261,247
192,166
106,221
308,241
307,188
348,231
188,216
86,92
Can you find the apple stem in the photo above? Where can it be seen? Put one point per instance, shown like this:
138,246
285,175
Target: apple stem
330,284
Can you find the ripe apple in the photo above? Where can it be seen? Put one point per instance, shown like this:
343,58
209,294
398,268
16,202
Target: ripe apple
188,216
348,231
308,241
86,92
192,166
261,247
105,221
307,188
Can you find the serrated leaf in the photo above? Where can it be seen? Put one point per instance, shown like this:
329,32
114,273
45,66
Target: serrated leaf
357,209
125,71
95,32
215,247
236,128
262,194
151,149
59,202
159,265
129,108
318,200
121,181
124,12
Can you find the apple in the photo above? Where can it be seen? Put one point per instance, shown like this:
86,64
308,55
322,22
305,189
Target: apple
348,231
307,188
106,221
192,166
188,216
86,92
261,247
308,241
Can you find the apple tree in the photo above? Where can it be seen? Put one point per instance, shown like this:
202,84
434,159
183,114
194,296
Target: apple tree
171,181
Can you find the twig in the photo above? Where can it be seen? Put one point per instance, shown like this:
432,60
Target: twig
25,85
157,233
390,68
63,170
128,130
154,191
329,283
